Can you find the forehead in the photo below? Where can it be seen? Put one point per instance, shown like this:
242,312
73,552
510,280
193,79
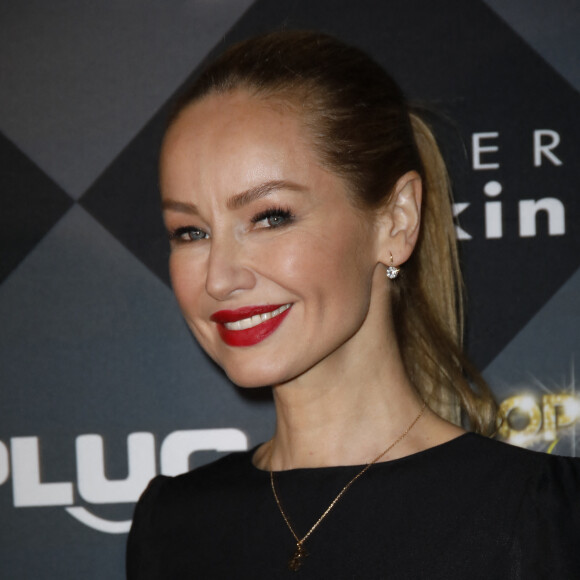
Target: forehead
227,143
231,113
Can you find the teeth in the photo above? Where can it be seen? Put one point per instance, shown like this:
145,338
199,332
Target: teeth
255,320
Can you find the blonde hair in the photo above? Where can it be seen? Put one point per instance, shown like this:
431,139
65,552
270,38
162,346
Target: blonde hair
429,304
362,130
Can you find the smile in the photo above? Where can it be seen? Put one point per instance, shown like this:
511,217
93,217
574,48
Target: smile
249,325
255,320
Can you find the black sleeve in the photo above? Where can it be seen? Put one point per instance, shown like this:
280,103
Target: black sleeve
546,541
142,559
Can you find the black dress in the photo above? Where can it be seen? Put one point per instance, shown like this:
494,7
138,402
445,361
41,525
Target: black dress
467,509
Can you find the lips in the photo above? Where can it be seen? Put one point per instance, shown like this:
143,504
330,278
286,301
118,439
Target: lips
251,324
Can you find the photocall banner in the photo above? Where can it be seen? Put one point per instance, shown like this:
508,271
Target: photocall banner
101,384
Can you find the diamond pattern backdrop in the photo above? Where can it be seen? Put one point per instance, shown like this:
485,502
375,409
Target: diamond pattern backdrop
91,342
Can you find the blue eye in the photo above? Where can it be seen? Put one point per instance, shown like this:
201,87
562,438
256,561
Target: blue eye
274,218
187,234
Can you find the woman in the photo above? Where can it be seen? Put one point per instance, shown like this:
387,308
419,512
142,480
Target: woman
313,249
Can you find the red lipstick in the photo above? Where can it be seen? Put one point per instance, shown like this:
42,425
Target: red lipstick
238,334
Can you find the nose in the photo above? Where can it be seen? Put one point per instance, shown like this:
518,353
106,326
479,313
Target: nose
228,270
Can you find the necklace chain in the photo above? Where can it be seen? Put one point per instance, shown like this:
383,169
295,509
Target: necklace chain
297,559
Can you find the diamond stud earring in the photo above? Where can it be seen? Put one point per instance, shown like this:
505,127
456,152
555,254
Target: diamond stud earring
392,270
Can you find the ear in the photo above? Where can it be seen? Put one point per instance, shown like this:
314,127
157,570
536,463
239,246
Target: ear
401,220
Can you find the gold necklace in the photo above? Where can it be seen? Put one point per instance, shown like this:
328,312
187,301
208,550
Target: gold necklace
300,553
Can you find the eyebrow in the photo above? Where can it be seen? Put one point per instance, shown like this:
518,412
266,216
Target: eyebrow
259,191
238,200
179,206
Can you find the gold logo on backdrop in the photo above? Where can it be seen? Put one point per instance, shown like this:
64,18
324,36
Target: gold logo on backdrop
525,419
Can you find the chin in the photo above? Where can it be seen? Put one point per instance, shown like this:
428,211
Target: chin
250,381
253,376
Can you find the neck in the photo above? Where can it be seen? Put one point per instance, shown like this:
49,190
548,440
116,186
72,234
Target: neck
342,415
352,405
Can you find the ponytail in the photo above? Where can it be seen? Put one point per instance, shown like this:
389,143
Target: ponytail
428,305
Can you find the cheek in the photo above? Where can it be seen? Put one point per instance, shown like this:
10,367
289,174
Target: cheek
188,283
299,263
334,269
345,269
344,256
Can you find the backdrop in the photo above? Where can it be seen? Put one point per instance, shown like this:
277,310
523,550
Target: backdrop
102,386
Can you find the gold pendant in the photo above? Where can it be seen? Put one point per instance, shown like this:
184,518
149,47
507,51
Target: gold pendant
295,563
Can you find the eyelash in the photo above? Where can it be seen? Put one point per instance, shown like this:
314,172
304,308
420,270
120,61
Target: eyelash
178,235
278,212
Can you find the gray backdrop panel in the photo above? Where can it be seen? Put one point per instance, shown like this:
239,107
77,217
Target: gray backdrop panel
93,351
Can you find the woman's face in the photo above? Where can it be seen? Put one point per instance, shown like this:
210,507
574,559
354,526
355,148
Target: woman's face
271,264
